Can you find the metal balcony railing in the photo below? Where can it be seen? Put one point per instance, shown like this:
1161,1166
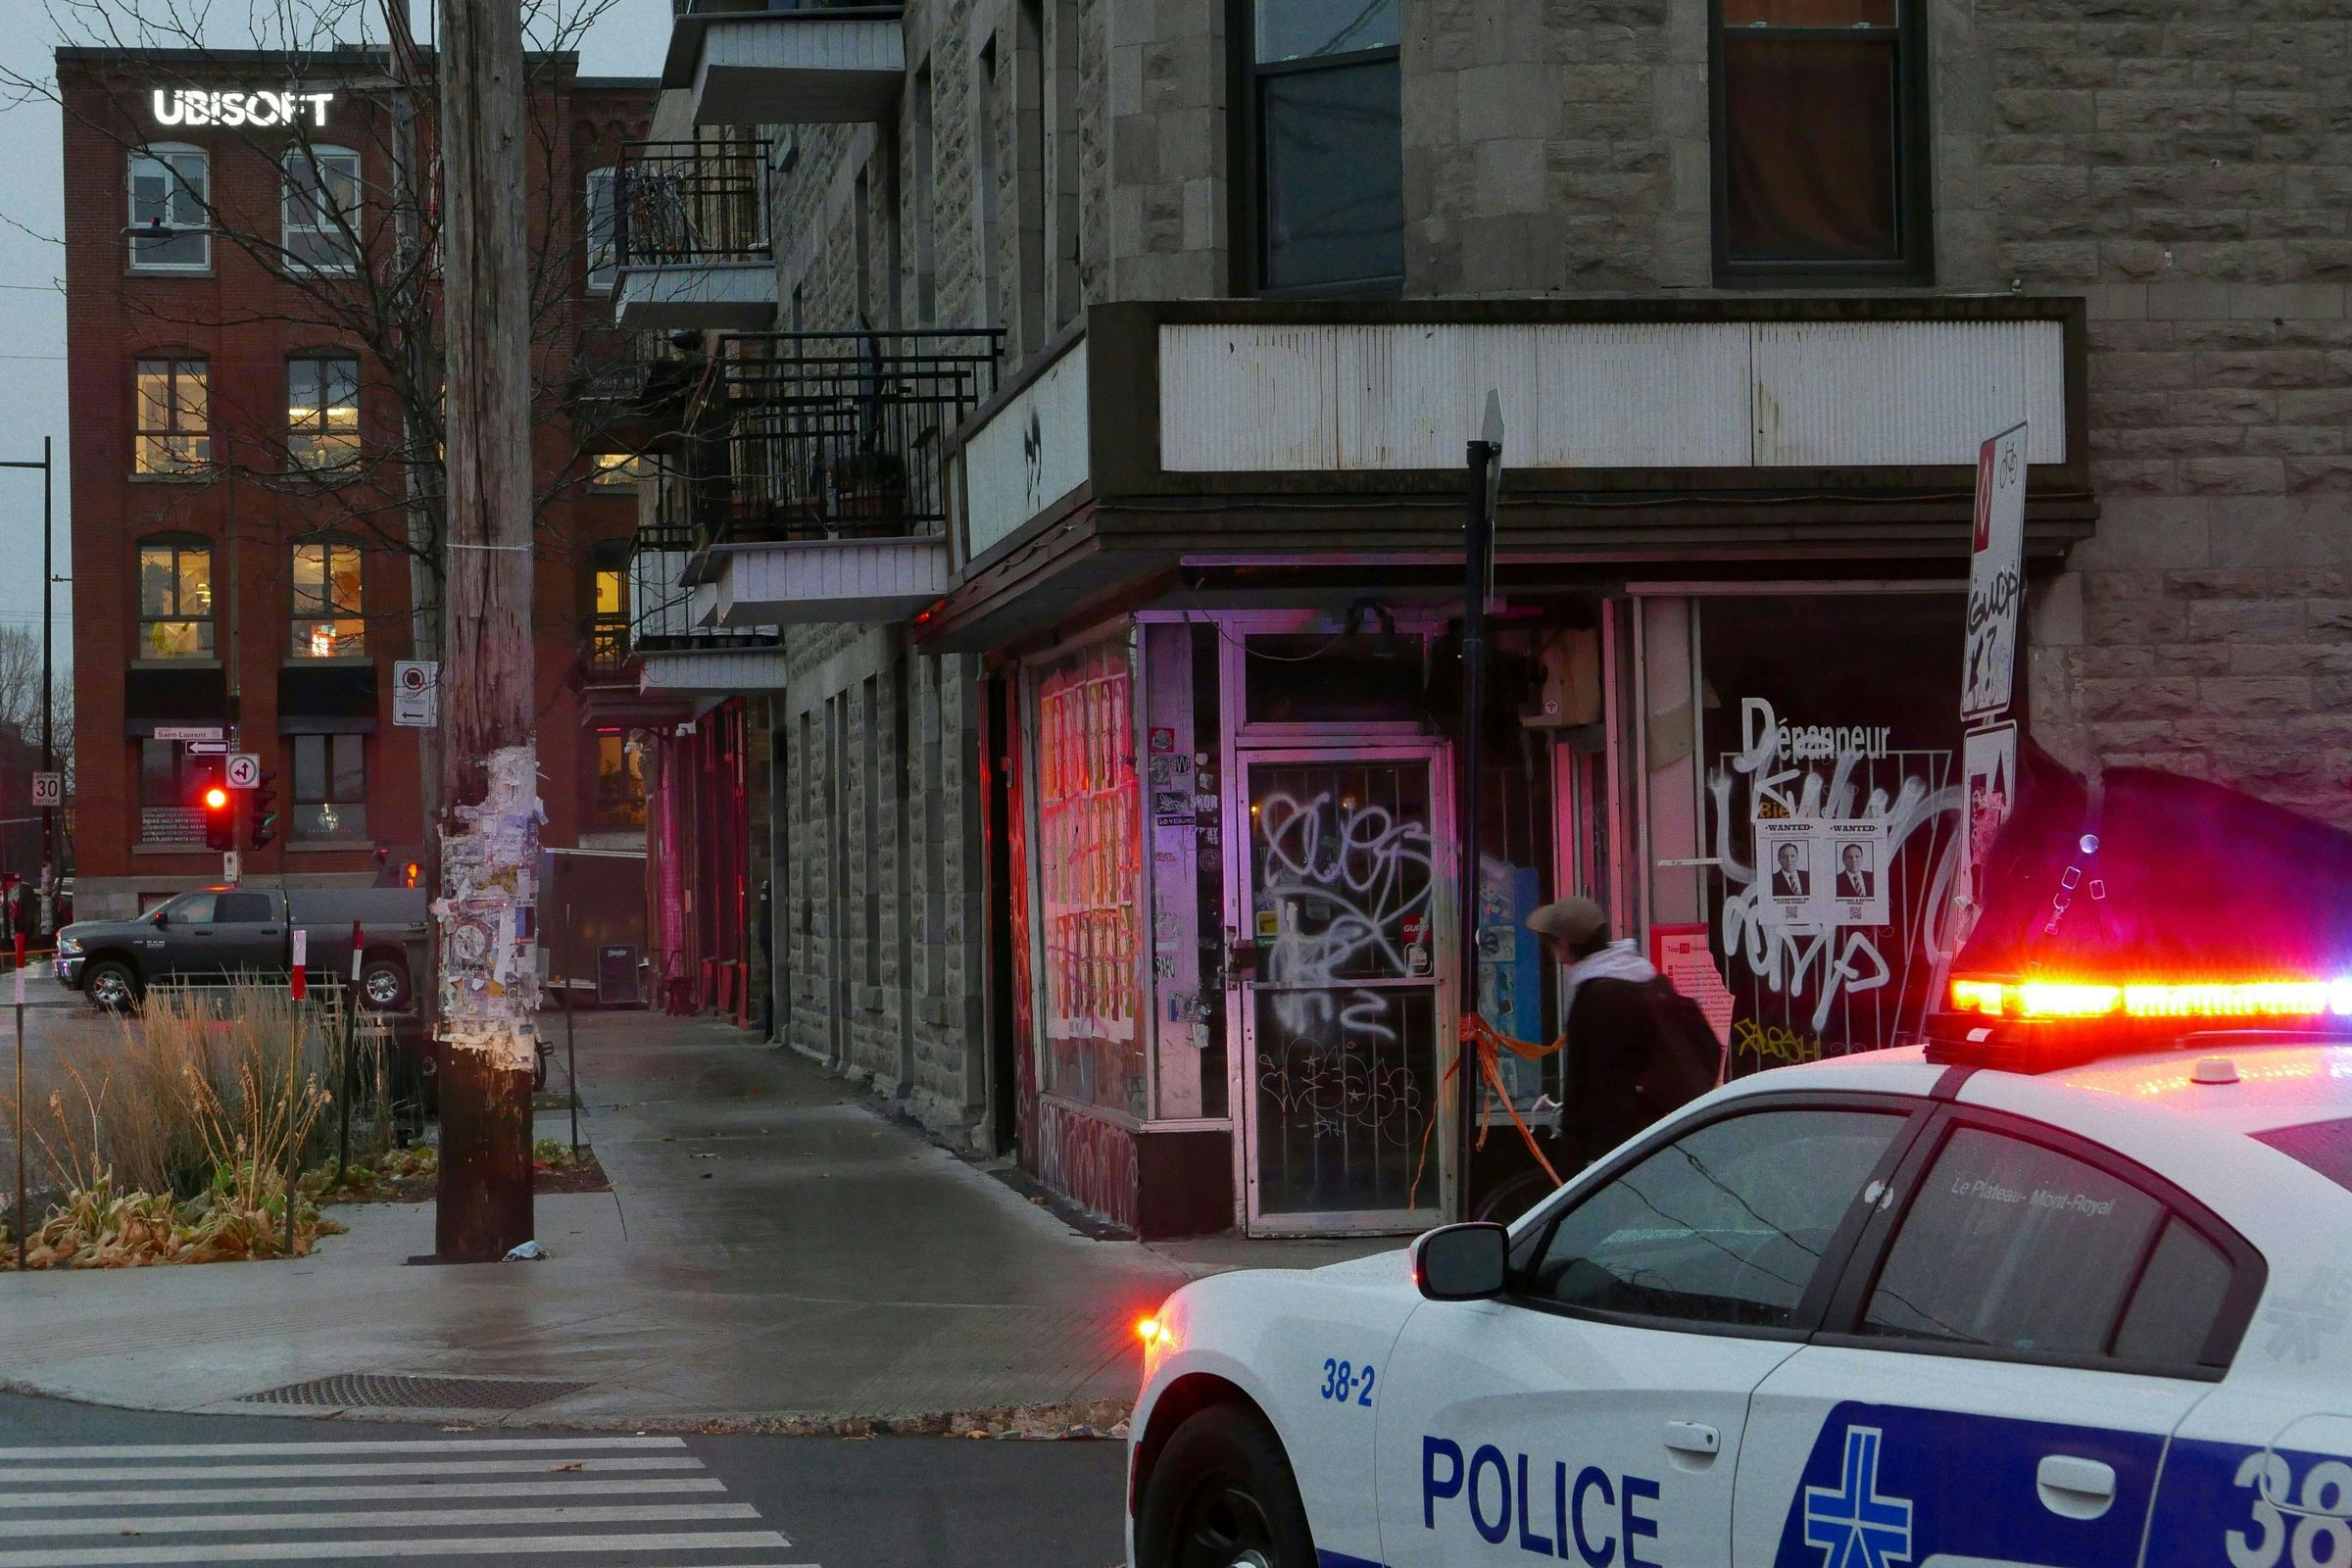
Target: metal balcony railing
834,435
690,204
660,605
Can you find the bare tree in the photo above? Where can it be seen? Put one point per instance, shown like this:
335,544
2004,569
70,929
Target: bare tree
352,227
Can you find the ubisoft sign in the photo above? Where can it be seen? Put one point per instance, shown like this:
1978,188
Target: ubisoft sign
195,107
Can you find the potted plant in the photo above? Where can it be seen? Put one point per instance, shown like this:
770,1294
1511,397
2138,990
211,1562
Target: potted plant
869,492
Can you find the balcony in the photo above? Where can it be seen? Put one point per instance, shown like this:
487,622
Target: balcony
620,399
779,62
836,504
690,230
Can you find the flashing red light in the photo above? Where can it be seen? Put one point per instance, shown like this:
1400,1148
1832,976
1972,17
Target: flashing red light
2246,997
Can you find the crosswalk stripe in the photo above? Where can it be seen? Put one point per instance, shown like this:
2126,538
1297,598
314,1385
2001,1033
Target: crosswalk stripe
19,1475
264,1451
214,1524
402,1492
251,1552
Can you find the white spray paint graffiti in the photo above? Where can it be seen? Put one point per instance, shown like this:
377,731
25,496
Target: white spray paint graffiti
1830,960
1373,872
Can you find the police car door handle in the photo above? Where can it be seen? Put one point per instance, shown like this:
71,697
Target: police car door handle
1690,1436
2075,1487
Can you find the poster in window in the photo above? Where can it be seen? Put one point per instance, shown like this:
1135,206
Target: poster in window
1834,812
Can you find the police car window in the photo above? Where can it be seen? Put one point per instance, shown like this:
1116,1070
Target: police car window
2013,1246
2325,1146
2176,1302
242,909
1724,1225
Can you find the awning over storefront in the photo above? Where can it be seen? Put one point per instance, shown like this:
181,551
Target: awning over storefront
174,696
1210,439
326,698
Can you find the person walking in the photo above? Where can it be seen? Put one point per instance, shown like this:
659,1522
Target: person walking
1636,1048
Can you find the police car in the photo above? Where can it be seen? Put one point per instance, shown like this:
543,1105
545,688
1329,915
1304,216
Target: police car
2069,1287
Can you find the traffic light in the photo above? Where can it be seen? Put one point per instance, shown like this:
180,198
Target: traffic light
219,816
260,812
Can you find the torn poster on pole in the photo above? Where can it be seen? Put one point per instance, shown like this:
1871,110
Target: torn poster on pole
489,983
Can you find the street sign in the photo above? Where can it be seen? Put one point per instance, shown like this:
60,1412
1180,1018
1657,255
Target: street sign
243,771
48,789
1996,576
205,748
188,732
416,693
233,867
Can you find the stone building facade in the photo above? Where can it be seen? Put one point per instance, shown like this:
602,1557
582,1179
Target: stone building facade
2159,186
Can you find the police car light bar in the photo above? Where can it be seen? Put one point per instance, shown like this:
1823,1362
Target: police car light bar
2045,1000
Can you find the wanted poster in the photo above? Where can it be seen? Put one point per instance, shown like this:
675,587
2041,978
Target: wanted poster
1856,871
1789,860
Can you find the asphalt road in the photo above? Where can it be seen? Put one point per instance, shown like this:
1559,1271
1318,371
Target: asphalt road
82,1487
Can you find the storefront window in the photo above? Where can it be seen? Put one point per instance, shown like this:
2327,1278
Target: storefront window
1089,878
1831,735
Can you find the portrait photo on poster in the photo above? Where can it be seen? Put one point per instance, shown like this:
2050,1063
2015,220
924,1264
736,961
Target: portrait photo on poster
1857,871
1787,858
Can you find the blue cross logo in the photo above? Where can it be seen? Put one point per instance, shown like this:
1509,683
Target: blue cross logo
1853,1525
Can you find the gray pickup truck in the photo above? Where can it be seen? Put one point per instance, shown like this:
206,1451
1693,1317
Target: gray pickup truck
215,934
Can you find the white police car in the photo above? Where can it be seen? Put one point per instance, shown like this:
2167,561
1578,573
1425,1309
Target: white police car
2006,1300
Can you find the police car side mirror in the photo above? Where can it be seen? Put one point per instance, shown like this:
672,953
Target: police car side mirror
1462,1263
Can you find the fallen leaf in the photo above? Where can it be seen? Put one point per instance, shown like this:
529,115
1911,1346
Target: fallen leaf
573,1465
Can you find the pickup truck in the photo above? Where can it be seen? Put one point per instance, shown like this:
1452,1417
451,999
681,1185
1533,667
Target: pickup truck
218,932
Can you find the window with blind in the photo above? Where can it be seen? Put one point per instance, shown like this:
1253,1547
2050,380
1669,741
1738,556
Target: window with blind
1820,140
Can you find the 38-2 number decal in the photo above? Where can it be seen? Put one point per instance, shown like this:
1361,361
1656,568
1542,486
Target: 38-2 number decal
2313,1522
1348,1383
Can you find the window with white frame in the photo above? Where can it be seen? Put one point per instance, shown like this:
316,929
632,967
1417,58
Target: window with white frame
322,208
170,187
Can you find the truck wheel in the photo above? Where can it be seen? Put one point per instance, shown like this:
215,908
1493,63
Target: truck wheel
112,986
384,985
1223,1497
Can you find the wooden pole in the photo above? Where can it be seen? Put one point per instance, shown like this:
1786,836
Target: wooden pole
489,833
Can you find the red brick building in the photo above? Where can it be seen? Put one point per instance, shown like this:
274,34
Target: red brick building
236,266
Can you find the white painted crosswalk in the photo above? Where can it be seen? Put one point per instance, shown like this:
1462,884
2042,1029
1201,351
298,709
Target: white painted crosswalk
599,1502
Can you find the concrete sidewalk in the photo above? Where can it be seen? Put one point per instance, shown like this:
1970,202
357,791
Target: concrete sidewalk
773,1252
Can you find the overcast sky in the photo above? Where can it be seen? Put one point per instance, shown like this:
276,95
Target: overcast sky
629,39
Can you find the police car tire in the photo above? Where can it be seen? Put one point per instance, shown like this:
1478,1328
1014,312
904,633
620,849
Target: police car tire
1224,1448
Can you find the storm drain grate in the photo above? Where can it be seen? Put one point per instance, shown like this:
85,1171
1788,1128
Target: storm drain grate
401,1391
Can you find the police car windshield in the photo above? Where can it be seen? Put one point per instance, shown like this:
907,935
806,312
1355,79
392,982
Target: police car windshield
2325,1146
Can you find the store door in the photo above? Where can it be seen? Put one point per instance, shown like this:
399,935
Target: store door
1340,983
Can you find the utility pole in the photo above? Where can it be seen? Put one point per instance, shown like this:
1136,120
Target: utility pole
489,822
48,678
1483,470
422,475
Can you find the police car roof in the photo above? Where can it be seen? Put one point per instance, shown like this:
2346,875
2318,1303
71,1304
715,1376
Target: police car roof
2275,1082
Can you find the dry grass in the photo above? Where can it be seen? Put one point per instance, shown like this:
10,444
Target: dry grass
175,1144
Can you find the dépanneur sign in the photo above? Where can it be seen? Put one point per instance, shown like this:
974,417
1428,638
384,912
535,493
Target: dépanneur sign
189,106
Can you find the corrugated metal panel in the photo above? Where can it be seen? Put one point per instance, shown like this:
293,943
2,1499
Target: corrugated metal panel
1879,393
798,71
734,669
707,296
1634,396
804,584
1248,399
1410,395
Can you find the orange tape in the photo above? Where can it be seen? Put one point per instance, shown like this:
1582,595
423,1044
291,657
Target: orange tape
1489,1044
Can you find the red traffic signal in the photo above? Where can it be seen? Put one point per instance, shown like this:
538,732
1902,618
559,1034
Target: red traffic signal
220,819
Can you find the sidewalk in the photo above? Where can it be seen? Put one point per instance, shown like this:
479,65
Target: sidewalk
773,1252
